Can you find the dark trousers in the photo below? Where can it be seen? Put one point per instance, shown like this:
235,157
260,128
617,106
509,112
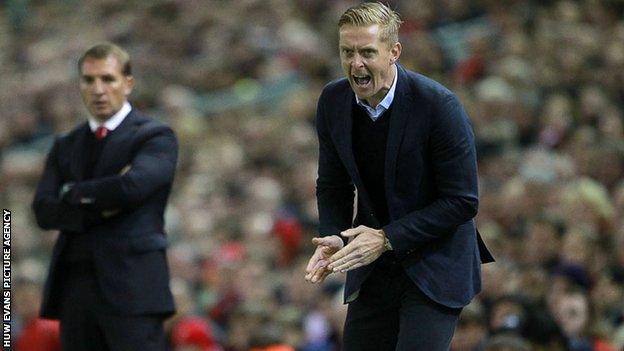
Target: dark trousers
88,324
391,313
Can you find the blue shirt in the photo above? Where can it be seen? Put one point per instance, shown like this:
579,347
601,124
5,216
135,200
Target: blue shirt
384,105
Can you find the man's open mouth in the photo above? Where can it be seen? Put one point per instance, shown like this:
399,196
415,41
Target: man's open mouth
361,80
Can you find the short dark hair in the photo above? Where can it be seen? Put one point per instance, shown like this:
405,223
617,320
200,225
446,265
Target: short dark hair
104,50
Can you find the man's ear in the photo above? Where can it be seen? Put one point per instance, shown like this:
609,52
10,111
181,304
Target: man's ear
395,52
129,84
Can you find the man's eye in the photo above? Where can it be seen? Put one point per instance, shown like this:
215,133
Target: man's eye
108,79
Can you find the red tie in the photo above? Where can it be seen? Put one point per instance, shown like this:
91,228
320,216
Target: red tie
100,132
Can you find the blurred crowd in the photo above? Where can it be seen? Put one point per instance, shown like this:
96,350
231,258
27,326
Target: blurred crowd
543,82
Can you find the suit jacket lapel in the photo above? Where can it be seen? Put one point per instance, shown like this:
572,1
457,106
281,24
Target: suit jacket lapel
343,135
396,130
344,143
78,157
113,144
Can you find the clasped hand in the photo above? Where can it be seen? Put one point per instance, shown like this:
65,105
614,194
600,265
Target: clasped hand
330,255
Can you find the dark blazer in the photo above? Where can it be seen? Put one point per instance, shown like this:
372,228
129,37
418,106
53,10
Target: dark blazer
430,184
128,246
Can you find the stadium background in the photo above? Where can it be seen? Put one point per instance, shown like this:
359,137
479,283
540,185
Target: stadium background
239,80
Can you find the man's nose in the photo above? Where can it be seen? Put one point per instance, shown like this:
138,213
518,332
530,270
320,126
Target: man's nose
357,61
98,87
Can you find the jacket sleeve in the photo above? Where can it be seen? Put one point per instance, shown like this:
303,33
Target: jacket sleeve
453,158
50,212
152,168
334,188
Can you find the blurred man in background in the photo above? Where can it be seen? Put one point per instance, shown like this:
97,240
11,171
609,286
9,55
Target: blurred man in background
406,144
105,187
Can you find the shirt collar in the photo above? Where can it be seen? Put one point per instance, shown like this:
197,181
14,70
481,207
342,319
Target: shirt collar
114,121
387,100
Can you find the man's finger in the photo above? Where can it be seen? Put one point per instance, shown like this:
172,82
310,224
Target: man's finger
309,268
330,241
315,271
324,275
322,241
342,252
349,258
356,265
320,264
315,257
345,263
316,278
353,231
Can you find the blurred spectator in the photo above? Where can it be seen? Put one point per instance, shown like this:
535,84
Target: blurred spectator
573,314
193,334
472,330
508,314
33,333
38,335
507,343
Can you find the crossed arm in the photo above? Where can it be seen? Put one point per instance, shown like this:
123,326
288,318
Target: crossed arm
50,211
89,202
152,167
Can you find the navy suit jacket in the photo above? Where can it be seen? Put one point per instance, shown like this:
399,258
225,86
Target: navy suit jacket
430,184
129,246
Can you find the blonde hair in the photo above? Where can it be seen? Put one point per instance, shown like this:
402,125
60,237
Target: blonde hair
371,13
